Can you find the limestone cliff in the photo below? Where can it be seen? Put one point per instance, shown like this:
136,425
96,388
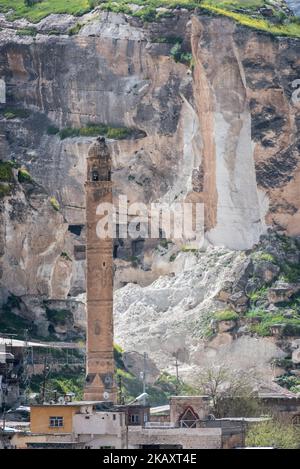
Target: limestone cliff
218,125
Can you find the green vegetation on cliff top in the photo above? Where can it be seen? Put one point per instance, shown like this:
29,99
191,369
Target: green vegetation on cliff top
40,10
94,130
245,12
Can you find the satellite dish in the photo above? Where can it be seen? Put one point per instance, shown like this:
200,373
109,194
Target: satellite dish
106,396
61,400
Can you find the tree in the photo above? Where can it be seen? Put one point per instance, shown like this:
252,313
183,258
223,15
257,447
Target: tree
231,391
273,433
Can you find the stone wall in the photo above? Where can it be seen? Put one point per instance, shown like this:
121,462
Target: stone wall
178,405
191,438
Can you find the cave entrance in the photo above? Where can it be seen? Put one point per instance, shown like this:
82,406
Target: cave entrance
75,229
137,247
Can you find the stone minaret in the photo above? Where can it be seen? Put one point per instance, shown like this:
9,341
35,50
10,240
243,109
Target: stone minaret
100,383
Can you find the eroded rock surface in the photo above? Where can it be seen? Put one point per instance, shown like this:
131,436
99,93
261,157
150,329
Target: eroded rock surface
222,130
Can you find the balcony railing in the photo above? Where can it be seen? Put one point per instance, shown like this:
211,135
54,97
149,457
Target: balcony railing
159,425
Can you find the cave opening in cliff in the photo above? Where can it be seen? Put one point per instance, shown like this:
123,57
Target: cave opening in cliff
75,229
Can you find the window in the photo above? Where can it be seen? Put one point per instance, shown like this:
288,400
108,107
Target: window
95,175
56,422
134,418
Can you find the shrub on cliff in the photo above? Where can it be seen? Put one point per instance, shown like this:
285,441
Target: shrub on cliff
116,7
27,32
4,190
179,55
55,204
69,133
227,315
14,113
30,3
94,130
147,14
117,133
24,176
61,316
75,29
52,130
6,173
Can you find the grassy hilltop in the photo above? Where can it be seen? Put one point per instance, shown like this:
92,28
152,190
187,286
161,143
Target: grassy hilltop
246,12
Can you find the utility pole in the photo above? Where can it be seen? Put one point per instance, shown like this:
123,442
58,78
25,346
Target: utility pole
6,379
4,413
4,397
145,372
120,386
177,374
45,376
143,375
26,378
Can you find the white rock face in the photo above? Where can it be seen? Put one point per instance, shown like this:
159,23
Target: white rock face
240,218
296,357
112,26
191,157
172,315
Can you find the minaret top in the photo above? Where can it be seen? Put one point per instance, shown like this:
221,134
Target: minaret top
99,161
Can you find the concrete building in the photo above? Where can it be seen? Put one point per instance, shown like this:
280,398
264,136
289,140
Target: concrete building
286,406
101,430
99,255
186,424
102,425
136,415
92,425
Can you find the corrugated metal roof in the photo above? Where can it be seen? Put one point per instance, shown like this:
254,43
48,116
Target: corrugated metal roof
160,409
21,343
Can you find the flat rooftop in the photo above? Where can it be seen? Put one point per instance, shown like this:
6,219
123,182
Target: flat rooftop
22,343
101,404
